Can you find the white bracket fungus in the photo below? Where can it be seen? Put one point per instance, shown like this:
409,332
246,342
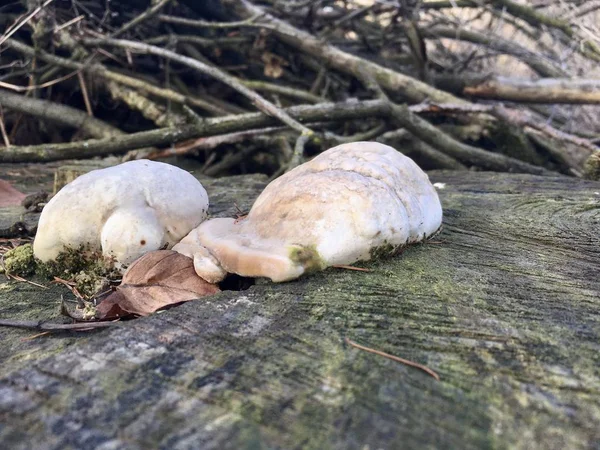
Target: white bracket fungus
349,203
124,211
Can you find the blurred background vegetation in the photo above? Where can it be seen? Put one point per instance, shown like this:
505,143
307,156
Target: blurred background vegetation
501,85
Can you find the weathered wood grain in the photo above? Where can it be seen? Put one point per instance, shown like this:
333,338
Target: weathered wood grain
504,304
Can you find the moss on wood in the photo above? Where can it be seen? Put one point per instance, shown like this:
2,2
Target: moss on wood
503,304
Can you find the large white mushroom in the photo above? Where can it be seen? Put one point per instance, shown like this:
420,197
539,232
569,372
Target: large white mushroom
124,211
347,204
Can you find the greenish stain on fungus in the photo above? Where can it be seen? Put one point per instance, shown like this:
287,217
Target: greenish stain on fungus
384,251
307,257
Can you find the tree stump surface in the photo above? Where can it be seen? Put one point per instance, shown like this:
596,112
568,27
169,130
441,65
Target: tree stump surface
504,304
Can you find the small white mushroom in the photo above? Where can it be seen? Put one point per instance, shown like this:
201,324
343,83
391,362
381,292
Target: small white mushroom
124,211
348,203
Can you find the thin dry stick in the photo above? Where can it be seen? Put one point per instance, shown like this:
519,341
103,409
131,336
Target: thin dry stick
71,286
37,335
513,116
139,19
14,87
171,135
298,155
102,71
57,112
261,103
23,280
346,267
211,142
84,92
207,24
3,129
394,358
69,23
24,21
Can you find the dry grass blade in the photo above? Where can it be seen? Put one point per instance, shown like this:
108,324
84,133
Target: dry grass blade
37,335
394,358
71,286
23,280
345,267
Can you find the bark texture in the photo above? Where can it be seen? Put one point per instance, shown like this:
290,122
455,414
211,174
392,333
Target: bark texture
504,304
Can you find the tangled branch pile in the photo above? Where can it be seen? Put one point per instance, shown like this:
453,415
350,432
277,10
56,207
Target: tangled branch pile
258,86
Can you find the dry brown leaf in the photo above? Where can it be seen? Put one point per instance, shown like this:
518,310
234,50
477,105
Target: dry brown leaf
273,64
9,196
157,279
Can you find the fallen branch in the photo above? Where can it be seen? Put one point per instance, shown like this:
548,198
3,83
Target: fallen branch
260,102
409,87
539,20
26,19
205,23
521,119
431,135
40,325
427,152
551,90
101,71
228,124
172,135
211,142
58,113
538,63
154,9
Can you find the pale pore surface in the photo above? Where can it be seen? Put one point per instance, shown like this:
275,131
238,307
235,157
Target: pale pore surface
125,211
343,204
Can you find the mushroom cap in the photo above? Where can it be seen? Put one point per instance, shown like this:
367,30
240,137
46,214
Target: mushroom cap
336,209
124,210
225,245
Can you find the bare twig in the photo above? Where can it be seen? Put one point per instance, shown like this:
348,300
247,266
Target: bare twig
67,24
24,280
102,71
409,87
84,92
551,90
3,129
465,153
512,116
346,267
171,135
58,113
24,21
211,142
140,18
541,65
206,24
261,103
298,155
33,87
283,90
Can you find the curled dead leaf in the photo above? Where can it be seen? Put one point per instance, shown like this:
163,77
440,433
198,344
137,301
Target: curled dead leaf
273,64
154,281
9,196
